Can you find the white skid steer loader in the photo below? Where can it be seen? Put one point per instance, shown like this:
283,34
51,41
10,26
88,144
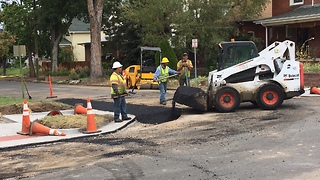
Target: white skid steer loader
244,75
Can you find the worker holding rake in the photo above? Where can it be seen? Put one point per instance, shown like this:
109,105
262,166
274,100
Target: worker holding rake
118,93
184,66
161,75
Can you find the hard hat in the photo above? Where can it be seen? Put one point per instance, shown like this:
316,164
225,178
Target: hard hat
116,65
164,60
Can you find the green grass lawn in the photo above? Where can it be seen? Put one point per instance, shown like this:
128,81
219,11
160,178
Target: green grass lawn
9,100
14,71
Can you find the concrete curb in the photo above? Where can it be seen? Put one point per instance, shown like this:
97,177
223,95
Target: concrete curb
10,139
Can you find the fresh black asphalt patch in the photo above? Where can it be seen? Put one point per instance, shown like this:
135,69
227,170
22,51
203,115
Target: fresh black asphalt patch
144,114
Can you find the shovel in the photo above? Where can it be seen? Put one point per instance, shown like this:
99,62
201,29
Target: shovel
131,92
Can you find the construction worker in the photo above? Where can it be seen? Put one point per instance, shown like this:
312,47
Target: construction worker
161,75
118,93
184,66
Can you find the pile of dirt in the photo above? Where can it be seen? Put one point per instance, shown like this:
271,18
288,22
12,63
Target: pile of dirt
34,107
74,121
58,121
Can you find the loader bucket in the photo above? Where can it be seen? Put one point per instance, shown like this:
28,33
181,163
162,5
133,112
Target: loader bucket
192,97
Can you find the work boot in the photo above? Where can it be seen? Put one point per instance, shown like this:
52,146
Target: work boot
163,103
126,118
117,120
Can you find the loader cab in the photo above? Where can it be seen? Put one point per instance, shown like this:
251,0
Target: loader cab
232,53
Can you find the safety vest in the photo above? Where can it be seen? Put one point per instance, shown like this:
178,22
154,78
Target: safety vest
116,78
164,73
184,69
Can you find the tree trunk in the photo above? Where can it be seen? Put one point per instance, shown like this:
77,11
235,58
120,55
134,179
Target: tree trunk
55,39
31,65
95,8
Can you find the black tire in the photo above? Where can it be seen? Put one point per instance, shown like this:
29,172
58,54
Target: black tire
269,97
227,99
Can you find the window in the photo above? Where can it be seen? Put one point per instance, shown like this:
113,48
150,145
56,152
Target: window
296,2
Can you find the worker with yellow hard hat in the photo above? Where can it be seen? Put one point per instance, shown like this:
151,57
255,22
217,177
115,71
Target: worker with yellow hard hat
161,75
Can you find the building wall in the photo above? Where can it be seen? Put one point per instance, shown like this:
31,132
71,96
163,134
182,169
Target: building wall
315,44
78,50
266,13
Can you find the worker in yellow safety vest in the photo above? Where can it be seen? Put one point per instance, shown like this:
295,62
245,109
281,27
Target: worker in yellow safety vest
184,66
118,93
162,73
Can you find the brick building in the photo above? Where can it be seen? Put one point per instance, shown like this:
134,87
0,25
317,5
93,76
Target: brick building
296,20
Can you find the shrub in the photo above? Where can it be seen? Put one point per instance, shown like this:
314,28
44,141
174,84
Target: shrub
311,67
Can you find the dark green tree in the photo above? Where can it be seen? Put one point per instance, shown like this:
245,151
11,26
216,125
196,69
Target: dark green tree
209,21
18,20
168,52
54,18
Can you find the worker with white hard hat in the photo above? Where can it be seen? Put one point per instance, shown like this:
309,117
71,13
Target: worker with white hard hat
162,73
118,93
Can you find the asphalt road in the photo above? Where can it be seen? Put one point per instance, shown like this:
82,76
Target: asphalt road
248,144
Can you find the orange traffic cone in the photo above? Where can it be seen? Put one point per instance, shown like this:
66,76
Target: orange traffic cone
79,109
41,129
53,113
314,90
91,123
25,119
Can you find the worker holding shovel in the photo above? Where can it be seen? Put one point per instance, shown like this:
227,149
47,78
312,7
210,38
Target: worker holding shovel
184,66
118,93
161,75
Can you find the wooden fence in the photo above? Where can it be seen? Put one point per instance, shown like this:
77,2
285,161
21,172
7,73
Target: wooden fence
46,65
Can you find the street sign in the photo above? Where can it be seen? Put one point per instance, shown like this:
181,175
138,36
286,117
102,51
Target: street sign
19,50
194,43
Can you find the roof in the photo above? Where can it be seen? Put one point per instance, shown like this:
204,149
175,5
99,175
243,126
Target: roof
103,39
65,42
79,26
306,13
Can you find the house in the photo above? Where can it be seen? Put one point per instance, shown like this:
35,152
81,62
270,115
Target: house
78,39
295,20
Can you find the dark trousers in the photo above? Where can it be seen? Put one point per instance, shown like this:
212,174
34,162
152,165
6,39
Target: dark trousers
120,107
184,81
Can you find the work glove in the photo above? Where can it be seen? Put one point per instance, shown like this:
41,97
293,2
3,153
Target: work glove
117,94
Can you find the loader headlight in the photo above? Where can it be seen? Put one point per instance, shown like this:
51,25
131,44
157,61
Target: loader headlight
223,82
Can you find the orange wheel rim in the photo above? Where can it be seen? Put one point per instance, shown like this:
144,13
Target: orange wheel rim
270,97
227,100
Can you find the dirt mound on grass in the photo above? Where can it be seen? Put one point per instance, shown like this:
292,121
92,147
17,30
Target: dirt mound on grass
34,107
56,122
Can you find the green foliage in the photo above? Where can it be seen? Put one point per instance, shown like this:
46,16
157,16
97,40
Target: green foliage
311,67
66,55
79,73
181,21
61,71
167,52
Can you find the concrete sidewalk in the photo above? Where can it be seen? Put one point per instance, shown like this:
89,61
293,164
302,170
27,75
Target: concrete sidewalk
9,137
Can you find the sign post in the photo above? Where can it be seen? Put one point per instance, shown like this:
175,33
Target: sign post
19,51
195,45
